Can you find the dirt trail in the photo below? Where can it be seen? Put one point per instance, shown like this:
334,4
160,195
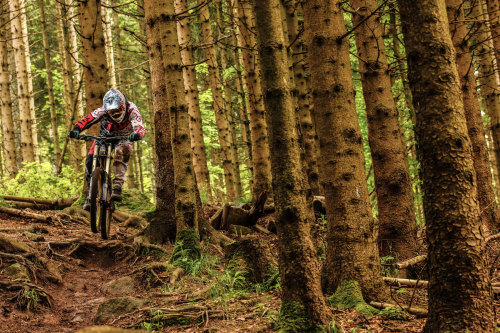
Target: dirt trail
207,301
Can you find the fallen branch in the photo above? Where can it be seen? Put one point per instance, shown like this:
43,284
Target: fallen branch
411,262
415,311
54,204
406,282
24,213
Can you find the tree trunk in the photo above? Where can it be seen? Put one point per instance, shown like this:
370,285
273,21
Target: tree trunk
228,107
160,15
493,7
163,227
299,270
456,253
77,101
108,45
305,121
191,87
352,252
131,179
258,130
94,55
8,128
218,103
390,166
486,195
118,48
50,84
487,76
24,94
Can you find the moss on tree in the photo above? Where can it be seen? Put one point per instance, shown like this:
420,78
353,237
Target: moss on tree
348,296
293,318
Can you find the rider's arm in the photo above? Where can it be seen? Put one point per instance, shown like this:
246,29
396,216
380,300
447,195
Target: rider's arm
136,120
90,119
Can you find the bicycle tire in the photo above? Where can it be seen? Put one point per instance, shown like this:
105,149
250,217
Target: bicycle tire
95,195
105,211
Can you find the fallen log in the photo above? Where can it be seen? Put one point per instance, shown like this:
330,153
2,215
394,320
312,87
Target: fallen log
415,311
53,204
411,262
492,237
25,213
406,282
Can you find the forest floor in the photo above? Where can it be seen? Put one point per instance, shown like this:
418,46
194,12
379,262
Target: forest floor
124,284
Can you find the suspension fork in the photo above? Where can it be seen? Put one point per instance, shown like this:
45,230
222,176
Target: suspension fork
107,167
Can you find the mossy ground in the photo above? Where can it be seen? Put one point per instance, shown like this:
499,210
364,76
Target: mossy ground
348,296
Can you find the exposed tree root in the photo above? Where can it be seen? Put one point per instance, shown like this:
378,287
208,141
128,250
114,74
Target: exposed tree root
38,265
29,295
26,214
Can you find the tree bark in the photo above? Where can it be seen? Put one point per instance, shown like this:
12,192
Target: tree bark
24,94
352,252
390,166
460,296
225,139
299,268
50,84
486,195
191,88
493,7
94,55
160,15
108,45
305,120
487,76
8,128
258,129
163,226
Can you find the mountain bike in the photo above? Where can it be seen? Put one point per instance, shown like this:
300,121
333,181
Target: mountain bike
101,207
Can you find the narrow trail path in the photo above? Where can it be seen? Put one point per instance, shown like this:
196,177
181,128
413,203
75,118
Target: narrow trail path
124,284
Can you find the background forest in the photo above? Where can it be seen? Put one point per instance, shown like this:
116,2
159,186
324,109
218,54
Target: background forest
327,147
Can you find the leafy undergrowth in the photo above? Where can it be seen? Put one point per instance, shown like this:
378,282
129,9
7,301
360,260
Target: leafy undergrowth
212,296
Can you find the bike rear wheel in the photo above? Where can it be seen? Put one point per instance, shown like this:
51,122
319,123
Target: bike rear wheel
95,196
106,208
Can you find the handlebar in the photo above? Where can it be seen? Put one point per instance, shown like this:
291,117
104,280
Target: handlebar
102,138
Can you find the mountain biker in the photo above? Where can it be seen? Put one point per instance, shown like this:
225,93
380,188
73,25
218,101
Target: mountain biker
118,117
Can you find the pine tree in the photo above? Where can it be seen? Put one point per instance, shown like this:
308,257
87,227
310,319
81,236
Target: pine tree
459,283
393,185
352,252
8,136
301,294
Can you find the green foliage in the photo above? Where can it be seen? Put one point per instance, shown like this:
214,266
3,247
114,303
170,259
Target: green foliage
393,314
135,201
187,248
39,180
391,270
272,281
28,299
348,296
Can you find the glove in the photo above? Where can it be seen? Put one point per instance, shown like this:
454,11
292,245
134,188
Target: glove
74,134
134,137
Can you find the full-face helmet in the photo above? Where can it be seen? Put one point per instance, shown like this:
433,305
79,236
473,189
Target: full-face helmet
115,105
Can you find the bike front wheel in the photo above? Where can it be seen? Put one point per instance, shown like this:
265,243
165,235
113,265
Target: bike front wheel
95,197
105,213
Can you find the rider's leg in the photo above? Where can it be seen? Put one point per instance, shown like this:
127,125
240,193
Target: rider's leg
120,165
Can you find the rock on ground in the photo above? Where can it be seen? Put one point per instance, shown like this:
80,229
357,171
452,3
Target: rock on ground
117,306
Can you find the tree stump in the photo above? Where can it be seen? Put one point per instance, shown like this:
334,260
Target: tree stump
252,255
